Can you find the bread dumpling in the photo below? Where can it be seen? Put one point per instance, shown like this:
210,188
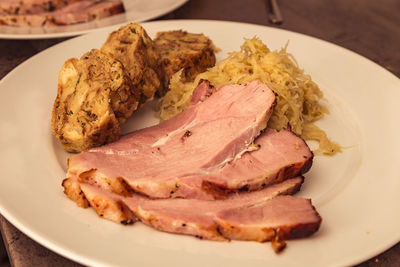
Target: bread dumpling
95,95
192,52
131,45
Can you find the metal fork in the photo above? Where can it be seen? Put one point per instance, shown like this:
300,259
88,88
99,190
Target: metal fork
275,15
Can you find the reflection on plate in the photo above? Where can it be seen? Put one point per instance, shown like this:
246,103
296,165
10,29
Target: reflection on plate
355,191
136,10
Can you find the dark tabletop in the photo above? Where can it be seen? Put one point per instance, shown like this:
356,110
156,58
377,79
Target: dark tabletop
369,27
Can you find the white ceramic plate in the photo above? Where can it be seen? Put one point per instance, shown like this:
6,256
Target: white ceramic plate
356,192
135,10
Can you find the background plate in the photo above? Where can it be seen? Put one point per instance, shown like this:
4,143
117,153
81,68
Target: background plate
355,192
136,10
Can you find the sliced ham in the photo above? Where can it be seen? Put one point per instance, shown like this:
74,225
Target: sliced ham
18,7
198,142
86,11
290,217
213,172
254,216
39,13
279,155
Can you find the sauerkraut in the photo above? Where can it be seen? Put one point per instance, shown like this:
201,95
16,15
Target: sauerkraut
298,97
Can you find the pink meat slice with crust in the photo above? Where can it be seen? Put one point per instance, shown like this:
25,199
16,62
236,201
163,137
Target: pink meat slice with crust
252,171
292,217
202,139
256,216
279,155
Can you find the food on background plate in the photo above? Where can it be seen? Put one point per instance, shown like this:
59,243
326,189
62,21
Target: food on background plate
95,95
50,13
192,52
298,97
161,173
134,54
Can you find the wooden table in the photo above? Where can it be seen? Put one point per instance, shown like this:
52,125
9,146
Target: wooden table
370,28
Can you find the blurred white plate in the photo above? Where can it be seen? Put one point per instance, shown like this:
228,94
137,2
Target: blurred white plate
135,10
356,192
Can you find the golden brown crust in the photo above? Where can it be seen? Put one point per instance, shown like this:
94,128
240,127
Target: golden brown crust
132,46
180,49
94,96
109,208
73,190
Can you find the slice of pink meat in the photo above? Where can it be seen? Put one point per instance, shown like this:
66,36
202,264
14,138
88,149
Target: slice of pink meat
256,216
200,140
280,155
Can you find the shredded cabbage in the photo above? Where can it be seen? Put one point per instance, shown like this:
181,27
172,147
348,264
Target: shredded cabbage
298,96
